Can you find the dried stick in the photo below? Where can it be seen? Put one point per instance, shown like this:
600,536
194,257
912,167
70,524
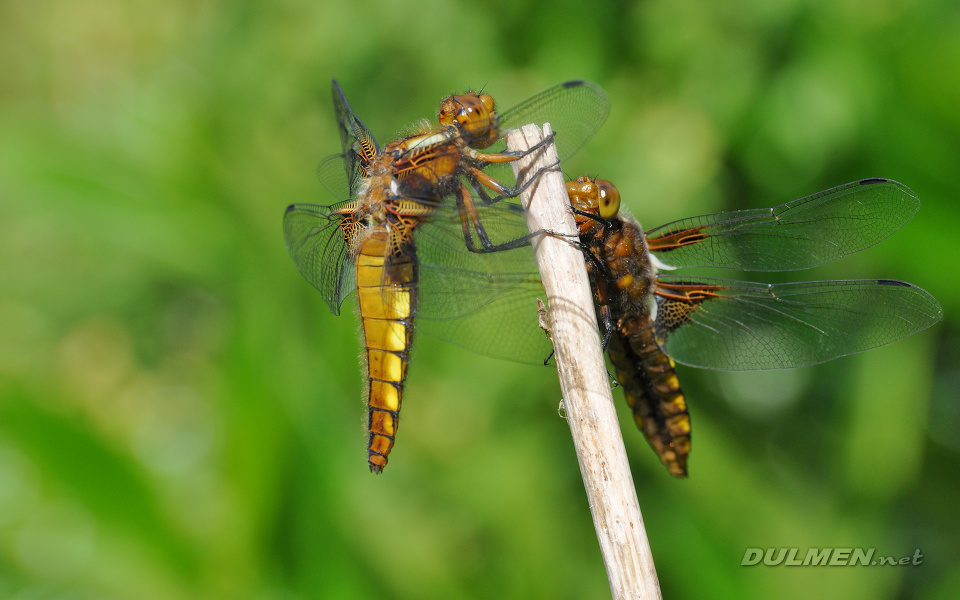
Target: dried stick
583,377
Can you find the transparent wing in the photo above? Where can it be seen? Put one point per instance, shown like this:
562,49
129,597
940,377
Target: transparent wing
316,243
485,302
330,172
800,234
358,144
741,326
575,110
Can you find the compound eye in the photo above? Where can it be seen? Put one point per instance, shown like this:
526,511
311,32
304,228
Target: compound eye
608,199
474,119
465,115
487,101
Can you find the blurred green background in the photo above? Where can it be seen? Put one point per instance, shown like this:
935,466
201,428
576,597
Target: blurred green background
180,415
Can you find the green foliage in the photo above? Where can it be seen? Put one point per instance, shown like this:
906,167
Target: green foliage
180,415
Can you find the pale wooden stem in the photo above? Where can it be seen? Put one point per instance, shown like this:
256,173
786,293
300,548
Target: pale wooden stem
583,377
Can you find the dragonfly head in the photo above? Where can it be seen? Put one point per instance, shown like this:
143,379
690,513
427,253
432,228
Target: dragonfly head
473,115
595,196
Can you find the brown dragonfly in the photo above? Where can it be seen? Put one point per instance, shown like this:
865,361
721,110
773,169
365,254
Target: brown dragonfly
651,320
408,249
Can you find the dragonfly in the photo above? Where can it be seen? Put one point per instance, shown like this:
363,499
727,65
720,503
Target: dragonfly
408,250
651,321
444,160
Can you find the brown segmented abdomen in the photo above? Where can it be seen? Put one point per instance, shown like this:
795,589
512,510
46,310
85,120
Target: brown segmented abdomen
387,297
646,374
653,392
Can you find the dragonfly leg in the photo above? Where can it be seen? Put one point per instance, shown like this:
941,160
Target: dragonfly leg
470,221
606,224
587,250
506,156
504,191
546,361
614,384
607,325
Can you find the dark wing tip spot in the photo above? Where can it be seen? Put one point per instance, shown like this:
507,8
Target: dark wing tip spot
574,83
893,282
290,209
871,180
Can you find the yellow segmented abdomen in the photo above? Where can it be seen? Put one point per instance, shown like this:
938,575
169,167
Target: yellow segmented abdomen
387,294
